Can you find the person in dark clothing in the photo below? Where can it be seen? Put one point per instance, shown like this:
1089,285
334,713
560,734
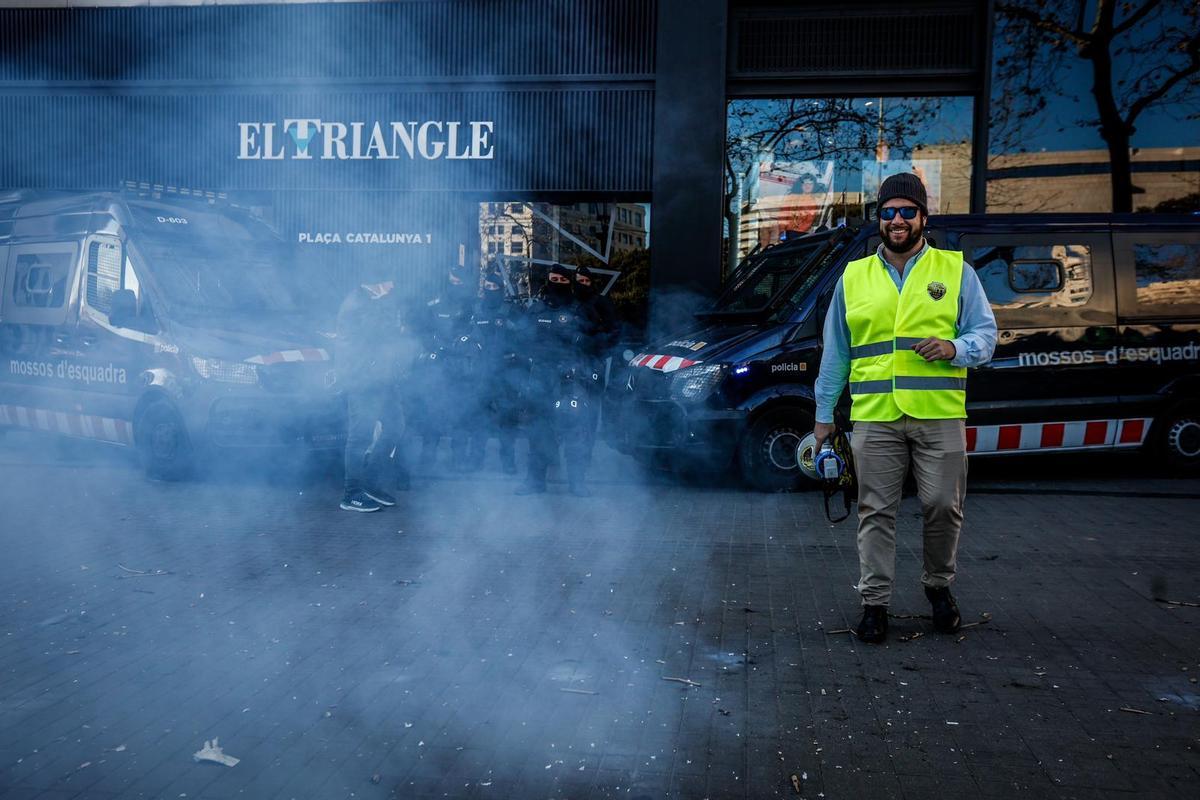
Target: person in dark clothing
564,384
370,347
441,366
501,373
604,324
602,331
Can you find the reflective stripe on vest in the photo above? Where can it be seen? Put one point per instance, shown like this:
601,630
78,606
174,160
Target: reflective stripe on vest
887,378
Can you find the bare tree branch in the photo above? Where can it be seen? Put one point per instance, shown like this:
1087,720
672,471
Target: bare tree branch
1042,23
1135,17
1146,100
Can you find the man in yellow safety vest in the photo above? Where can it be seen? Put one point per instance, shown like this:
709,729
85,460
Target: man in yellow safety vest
904,325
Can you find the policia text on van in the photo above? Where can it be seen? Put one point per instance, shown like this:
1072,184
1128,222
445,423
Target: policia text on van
167,326
1098,346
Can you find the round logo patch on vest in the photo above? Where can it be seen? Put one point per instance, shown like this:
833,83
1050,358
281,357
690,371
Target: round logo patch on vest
936,290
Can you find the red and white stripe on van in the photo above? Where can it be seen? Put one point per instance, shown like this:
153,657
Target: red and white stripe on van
281,356
1040,436
661,363
86,426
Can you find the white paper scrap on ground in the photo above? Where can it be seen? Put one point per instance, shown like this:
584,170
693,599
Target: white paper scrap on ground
213,752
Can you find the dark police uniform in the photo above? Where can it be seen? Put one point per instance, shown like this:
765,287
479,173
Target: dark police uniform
565,384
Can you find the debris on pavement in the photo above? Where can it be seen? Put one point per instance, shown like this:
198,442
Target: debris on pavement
984,619
911,636
577,691
142,573
1129,710
212,752
376,778
1177,602
839,630
682,680
796,784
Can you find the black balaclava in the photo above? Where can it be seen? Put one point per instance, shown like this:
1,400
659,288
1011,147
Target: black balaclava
493,288
557,294
584,293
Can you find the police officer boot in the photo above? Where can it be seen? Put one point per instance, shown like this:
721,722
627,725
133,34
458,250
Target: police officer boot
508,458
576,486
534,483
401,478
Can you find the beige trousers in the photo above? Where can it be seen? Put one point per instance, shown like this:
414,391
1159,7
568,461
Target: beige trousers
937,451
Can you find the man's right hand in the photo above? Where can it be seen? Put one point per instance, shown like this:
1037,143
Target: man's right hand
823,431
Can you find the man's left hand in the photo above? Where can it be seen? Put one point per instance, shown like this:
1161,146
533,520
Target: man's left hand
935,349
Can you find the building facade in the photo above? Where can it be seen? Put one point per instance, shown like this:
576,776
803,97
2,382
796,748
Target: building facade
403,137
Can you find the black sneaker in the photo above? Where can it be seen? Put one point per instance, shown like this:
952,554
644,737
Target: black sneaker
946,618
381,497
359,501
872,628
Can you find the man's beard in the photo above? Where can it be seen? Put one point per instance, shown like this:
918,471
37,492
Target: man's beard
915,232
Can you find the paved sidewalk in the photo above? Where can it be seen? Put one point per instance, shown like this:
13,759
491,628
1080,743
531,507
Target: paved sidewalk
653,641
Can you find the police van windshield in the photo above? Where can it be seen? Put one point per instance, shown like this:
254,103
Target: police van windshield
761,287
212,263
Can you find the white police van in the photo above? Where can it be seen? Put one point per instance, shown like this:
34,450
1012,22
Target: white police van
169,326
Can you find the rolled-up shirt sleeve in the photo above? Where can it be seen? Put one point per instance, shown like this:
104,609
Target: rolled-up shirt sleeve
976,340
835,357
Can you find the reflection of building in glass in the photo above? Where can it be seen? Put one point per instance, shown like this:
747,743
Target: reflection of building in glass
562,233
505,229
1078,180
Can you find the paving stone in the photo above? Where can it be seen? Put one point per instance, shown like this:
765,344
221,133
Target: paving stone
436,658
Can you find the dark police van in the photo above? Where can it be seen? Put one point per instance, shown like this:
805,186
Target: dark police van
1098,346
168,326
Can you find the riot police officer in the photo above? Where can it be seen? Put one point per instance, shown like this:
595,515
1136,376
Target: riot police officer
439,367
564,384
502,375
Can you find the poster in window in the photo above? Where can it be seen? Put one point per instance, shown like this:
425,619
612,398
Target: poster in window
793,198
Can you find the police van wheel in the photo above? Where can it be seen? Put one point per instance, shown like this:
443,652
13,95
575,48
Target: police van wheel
162,442
1179,437
767,454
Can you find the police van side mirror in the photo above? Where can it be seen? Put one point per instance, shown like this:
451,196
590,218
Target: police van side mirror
123,311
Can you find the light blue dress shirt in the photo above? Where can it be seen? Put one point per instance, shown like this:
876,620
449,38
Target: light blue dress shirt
974,345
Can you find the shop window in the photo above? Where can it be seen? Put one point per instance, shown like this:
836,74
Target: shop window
1167,274
573,235
798,166
1034,276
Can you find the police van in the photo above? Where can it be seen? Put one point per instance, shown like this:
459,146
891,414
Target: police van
168,326
1098,346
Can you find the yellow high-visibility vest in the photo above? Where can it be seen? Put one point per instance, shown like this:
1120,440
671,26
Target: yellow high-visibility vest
887,378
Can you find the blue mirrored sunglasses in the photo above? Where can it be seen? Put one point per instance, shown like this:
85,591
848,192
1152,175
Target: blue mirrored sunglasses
907,212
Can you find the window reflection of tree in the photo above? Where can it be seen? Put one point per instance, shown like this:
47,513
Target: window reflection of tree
842,130
1167,274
